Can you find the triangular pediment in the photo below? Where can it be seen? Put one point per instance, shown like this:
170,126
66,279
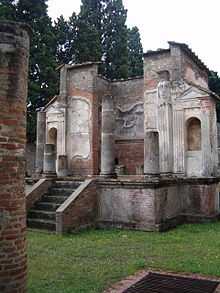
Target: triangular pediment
192,92
55,108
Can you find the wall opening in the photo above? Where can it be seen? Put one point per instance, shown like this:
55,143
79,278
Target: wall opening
52,137
193,134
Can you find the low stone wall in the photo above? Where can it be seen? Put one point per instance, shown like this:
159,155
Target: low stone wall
79,210
200,198
37,191
156,205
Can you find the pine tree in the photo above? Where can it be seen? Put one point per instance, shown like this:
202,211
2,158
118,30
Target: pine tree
115,51
135,53
88,41
43,78
214,85
214,82
65,32
7,10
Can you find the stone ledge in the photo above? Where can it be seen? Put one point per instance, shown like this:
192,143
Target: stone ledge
155,182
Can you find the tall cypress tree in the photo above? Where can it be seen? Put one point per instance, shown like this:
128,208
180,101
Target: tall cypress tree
88,41
7,10
135,53
214,85
43,79
115,51
65,32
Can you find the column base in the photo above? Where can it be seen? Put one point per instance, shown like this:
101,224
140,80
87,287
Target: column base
49,175
113,175
62,173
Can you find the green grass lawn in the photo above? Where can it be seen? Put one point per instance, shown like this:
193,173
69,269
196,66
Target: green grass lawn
93,260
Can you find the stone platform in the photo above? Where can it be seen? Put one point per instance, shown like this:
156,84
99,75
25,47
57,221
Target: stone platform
134,202
156,204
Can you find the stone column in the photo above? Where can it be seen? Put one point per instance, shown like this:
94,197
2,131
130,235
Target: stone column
49,160
178,142
151,135
41,136
62,166
108,141
14,52
151,153
165,126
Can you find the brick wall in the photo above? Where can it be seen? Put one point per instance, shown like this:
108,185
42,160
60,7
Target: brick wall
82,83
14,46
130,154
80,211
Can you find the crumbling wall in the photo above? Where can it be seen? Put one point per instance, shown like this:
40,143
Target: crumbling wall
129,124
82,120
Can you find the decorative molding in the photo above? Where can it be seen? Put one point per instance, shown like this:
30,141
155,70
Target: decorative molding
130,120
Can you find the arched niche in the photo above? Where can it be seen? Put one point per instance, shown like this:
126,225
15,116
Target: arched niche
52,136
193,147
193,130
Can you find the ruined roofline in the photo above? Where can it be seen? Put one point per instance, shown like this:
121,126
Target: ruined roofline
205,90
77,65
185,48
50,102
14,24
156,52
120,80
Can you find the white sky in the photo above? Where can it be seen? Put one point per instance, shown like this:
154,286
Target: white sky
194,22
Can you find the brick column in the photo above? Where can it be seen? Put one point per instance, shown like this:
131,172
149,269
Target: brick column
108,143
41,135
14,51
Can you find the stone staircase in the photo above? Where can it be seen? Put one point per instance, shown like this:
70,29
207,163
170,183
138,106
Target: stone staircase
43,213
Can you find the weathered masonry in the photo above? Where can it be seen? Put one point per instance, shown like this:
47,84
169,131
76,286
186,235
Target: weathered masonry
14,51
160,128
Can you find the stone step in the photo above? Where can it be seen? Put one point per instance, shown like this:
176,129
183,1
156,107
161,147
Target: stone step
53,198
47,206
66,184
42,214
41,224
56,190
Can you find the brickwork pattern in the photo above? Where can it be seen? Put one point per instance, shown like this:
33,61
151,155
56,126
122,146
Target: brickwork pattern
130,154
14,49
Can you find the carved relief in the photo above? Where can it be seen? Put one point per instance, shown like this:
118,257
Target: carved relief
130,121
164,92
79,120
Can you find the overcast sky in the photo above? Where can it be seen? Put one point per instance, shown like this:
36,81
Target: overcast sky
195,22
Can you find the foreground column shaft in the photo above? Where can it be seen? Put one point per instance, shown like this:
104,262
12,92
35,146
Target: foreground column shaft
108,143
41,129
14,50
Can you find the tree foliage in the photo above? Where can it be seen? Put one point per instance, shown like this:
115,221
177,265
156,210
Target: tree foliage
43,79
135,53
115,36
7,10
88,41
66,33
214,85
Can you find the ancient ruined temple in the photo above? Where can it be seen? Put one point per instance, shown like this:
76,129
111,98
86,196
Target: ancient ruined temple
156,135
